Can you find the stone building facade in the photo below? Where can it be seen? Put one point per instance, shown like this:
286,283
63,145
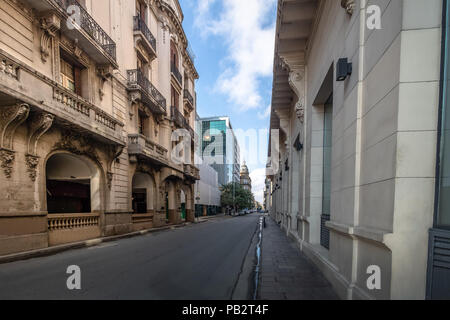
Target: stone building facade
96,98
245,181
354,182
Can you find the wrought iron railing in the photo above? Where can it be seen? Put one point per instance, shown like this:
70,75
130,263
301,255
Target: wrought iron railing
188,96
140,25
181,121
91,27
177,116
137,78
176,73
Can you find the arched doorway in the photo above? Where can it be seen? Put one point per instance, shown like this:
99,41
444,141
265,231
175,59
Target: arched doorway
143,193
73,184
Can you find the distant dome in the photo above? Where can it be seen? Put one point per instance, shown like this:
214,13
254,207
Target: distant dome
244,169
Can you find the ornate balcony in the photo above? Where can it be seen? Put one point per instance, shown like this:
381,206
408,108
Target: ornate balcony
176,74
67,107
143,35
85,31
177,117
181,121
189,98
192,172
144,148
143,90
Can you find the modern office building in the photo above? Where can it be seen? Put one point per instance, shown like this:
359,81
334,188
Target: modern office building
89,104
207,191
360,99
220,148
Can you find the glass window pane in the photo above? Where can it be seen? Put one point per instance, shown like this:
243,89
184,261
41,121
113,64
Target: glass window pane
327,150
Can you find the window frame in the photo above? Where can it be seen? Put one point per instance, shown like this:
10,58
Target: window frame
445,62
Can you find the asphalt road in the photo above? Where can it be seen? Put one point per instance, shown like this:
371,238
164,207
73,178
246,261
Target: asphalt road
197,262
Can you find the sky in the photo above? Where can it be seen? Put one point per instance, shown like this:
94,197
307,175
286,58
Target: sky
233,41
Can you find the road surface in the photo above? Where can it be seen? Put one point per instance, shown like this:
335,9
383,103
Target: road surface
201,261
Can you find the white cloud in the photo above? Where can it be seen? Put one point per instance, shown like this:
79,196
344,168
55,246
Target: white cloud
258,177
250,46
265,114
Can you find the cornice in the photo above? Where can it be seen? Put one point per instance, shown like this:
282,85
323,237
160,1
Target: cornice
170,13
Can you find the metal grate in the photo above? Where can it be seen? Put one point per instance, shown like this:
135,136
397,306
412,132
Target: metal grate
439,265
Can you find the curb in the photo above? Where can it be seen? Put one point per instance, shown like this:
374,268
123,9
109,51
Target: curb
84,244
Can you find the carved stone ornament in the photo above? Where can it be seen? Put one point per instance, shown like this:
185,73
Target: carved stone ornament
32,163
49,24
114,153
39,125
79,144
10,119
300,110
7,159
348,5
105,73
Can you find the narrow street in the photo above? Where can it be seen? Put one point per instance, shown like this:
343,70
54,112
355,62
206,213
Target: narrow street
200,261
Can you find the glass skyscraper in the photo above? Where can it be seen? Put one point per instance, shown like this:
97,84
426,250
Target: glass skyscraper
219,147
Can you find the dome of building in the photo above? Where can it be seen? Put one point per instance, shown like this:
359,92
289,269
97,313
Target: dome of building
244,169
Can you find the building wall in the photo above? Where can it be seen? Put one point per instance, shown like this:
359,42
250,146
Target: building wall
383,148
207,188
40,118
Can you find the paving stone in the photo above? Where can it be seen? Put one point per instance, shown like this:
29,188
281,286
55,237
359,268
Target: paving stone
286,274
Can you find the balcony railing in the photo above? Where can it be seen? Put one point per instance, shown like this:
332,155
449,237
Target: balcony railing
78,104
91,27
176,73
137,79
188,96
181,121
177,117
192,171
140,25
141,145
72,221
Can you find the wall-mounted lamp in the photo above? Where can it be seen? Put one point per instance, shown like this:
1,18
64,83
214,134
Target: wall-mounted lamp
343,69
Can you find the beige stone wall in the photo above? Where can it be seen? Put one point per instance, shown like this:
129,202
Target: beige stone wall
39,119
384,142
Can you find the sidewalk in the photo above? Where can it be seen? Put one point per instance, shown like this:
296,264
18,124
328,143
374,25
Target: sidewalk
286,274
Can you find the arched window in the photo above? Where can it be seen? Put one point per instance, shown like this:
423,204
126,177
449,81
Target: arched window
73,184
143,193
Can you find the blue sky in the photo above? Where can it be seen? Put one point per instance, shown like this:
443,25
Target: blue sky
233,41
